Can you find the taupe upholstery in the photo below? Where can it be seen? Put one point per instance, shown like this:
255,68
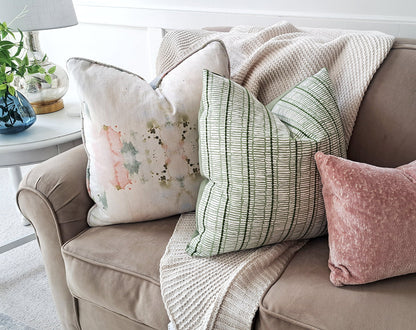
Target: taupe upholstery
305,298
117,268
384,133
113,271
53,197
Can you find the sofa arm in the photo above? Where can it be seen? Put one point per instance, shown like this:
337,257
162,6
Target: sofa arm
54,198
53,194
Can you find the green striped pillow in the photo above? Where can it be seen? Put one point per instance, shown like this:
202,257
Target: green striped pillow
261,184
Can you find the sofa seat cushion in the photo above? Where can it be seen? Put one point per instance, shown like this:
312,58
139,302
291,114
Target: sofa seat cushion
117,268
304,298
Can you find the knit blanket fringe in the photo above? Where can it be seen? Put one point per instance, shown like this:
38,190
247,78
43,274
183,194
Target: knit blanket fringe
223,292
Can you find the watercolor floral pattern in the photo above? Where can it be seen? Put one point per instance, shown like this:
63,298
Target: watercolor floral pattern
165,155
120,178
142,140
180,158
123,162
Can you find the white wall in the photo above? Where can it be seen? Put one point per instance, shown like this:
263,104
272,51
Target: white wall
127,33
382,8
199,13
117,45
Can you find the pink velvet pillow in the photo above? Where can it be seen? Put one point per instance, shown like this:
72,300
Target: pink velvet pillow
371,213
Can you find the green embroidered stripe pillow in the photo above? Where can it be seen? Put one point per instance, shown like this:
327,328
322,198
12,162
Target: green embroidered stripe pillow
261,184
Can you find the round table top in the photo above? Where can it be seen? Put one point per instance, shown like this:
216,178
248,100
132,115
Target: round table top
49,130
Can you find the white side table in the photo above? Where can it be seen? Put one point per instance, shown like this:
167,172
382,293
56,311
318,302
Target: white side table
50,135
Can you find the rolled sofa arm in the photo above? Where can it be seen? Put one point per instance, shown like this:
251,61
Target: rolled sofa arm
54,198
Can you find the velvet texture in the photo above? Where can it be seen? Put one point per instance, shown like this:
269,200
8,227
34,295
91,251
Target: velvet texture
371,213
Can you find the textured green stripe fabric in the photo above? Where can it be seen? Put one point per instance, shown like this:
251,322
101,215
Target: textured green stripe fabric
261,184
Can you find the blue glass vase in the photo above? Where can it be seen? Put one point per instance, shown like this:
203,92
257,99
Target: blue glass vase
16,113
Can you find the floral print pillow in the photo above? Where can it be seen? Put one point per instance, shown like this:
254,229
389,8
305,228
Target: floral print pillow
142,141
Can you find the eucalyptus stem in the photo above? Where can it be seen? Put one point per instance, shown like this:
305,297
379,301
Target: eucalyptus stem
4,97
10,108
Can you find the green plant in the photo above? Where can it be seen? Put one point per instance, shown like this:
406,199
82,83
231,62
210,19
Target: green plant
15,62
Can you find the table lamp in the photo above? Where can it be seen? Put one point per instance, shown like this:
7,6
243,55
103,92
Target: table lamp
30,16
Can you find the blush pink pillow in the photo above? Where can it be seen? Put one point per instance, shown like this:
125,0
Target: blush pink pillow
371,213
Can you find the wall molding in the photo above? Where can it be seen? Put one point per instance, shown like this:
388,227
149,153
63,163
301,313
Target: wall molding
130,13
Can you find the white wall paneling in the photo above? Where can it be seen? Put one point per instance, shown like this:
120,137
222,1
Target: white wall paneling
154,38
397,17
122,46
127,33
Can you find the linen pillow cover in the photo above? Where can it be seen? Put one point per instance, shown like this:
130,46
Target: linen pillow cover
371,213
142,143
261,185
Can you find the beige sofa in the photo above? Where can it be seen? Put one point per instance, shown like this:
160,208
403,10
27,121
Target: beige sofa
108,277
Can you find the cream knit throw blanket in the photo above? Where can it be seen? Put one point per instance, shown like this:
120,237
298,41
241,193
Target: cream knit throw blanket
224,292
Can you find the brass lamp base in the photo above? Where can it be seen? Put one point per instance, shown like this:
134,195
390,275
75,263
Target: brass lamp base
43,108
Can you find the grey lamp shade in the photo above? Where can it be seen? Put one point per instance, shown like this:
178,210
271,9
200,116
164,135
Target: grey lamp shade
40,14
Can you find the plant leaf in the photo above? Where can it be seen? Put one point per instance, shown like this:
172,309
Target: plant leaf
52,70
32,69
21,71
9,78
48,79
11,90
19,49
5,44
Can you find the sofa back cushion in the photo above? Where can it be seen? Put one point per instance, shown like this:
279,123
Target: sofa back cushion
384,133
